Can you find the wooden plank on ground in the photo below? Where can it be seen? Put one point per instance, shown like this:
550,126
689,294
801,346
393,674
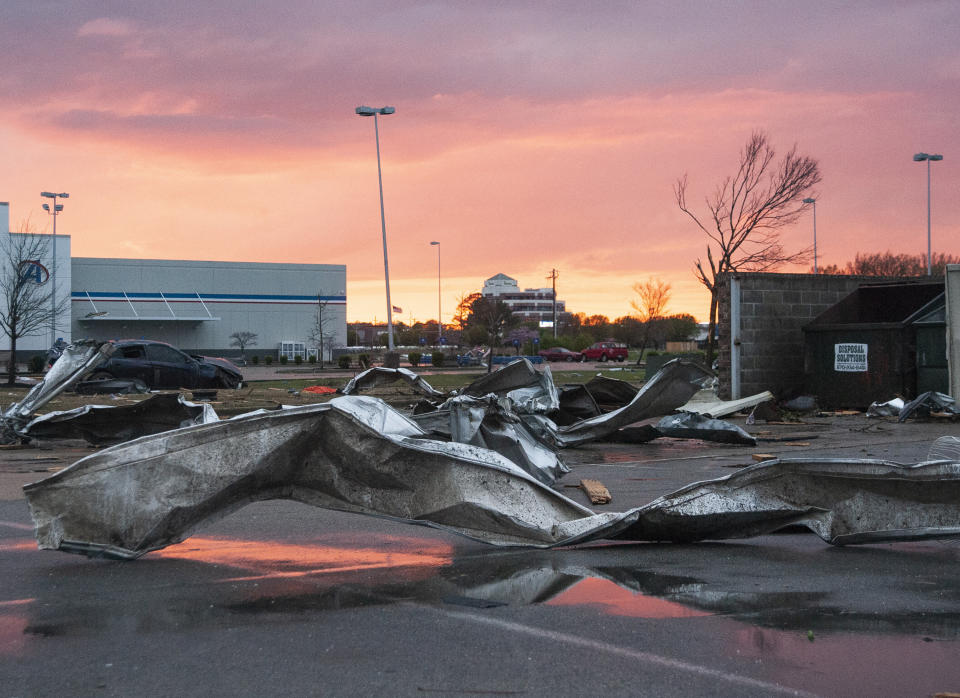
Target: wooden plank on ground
596,491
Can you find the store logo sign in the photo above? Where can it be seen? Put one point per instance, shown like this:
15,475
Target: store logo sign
32,271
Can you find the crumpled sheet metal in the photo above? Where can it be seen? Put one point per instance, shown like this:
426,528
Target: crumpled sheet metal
669,388
690,425
843,501
352,454
890,408
928,402
531,391
610,393
576,403
485,422
709,405
356,454
77,360
110,424
379,375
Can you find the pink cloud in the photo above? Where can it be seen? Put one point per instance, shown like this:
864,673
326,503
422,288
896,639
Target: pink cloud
524,138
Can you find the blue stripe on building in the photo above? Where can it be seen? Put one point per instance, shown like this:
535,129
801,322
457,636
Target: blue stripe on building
206,297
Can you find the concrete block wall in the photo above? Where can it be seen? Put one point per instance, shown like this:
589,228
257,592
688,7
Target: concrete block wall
773,310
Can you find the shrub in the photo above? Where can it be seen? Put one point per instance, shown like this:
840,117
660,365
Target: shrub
268,360
312,359
343,361
363,360
298,359
255,360
284,360
437,358
414,358
36,363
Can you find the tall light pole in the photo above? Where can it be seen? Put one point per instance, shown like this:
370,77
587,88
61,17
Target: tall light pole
920,157
371,111
814,202
439,321
55,211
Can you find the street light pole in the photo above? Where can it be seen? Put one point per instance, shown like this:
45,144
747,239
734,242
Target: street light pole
439,321
920,157
55,211
371,111
814,202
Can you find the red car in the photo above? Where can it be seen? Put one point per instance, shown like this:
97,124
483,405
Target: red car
561,354
605,351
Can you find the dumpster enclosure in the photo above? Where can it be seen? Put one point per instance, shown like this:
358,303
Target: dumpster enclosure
864,348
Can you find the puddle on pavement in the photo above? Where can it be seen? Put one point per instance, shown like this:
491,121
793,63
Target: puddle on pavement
760,601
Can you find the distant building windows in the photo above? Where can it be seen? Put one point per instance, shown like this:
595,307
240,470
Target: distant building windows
529,304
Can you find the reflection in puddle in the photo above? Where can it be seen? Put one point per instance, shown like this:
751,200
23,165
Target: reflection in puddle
618,601
278,560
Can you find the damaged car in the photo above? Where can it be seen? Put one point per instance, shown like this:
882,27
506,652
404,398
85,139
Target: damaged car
162,366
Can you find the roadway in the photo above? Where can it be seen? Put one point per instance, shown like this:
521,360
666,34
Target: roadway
284,599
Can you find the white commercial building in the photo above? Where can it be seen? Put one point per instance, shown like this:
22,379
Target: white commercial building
194,305
529,304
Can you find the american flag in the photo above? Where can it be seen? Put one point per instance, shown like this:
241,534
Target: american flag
397,309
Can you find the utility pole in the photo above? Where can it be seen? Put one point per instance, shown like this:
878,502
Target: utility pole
553,276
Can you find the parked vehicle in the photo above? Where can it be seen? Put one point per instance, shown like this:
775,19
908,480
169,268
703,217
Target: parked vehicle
160,365
560,354
605,351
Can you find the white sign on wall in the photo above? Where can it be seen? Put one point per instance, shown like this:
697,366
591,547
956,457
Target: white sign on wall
849,357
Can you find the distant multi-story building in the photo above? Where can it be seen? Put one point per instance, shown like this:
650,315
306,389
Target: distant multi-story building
528,304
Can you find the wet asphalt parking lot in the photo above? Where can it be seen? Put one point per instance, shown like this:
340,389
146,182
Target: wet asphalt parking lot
284,599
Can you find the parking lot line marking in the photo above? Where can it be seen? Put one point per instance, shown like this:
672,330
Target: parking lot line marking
608,648
18,526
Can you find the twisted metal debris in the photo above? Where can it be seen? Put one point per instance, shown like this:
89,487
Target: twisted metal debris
76,361
357,454
477,465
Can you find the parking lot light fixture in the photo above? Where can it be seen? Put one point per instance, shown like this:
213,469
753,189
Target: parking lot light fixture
373,111
928,157
54,211
814,202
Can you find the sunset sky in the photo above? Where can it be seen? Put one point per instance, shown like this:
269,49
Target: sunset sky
528,135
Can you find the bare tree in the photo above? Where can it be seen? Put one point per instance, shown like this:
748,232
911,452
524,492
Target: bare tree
654,294
746,213
243,340
322,326
25,306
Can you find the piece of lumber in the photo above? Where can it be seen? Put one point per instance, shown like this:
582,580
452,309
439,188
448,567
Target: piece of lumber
763,456
596,491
